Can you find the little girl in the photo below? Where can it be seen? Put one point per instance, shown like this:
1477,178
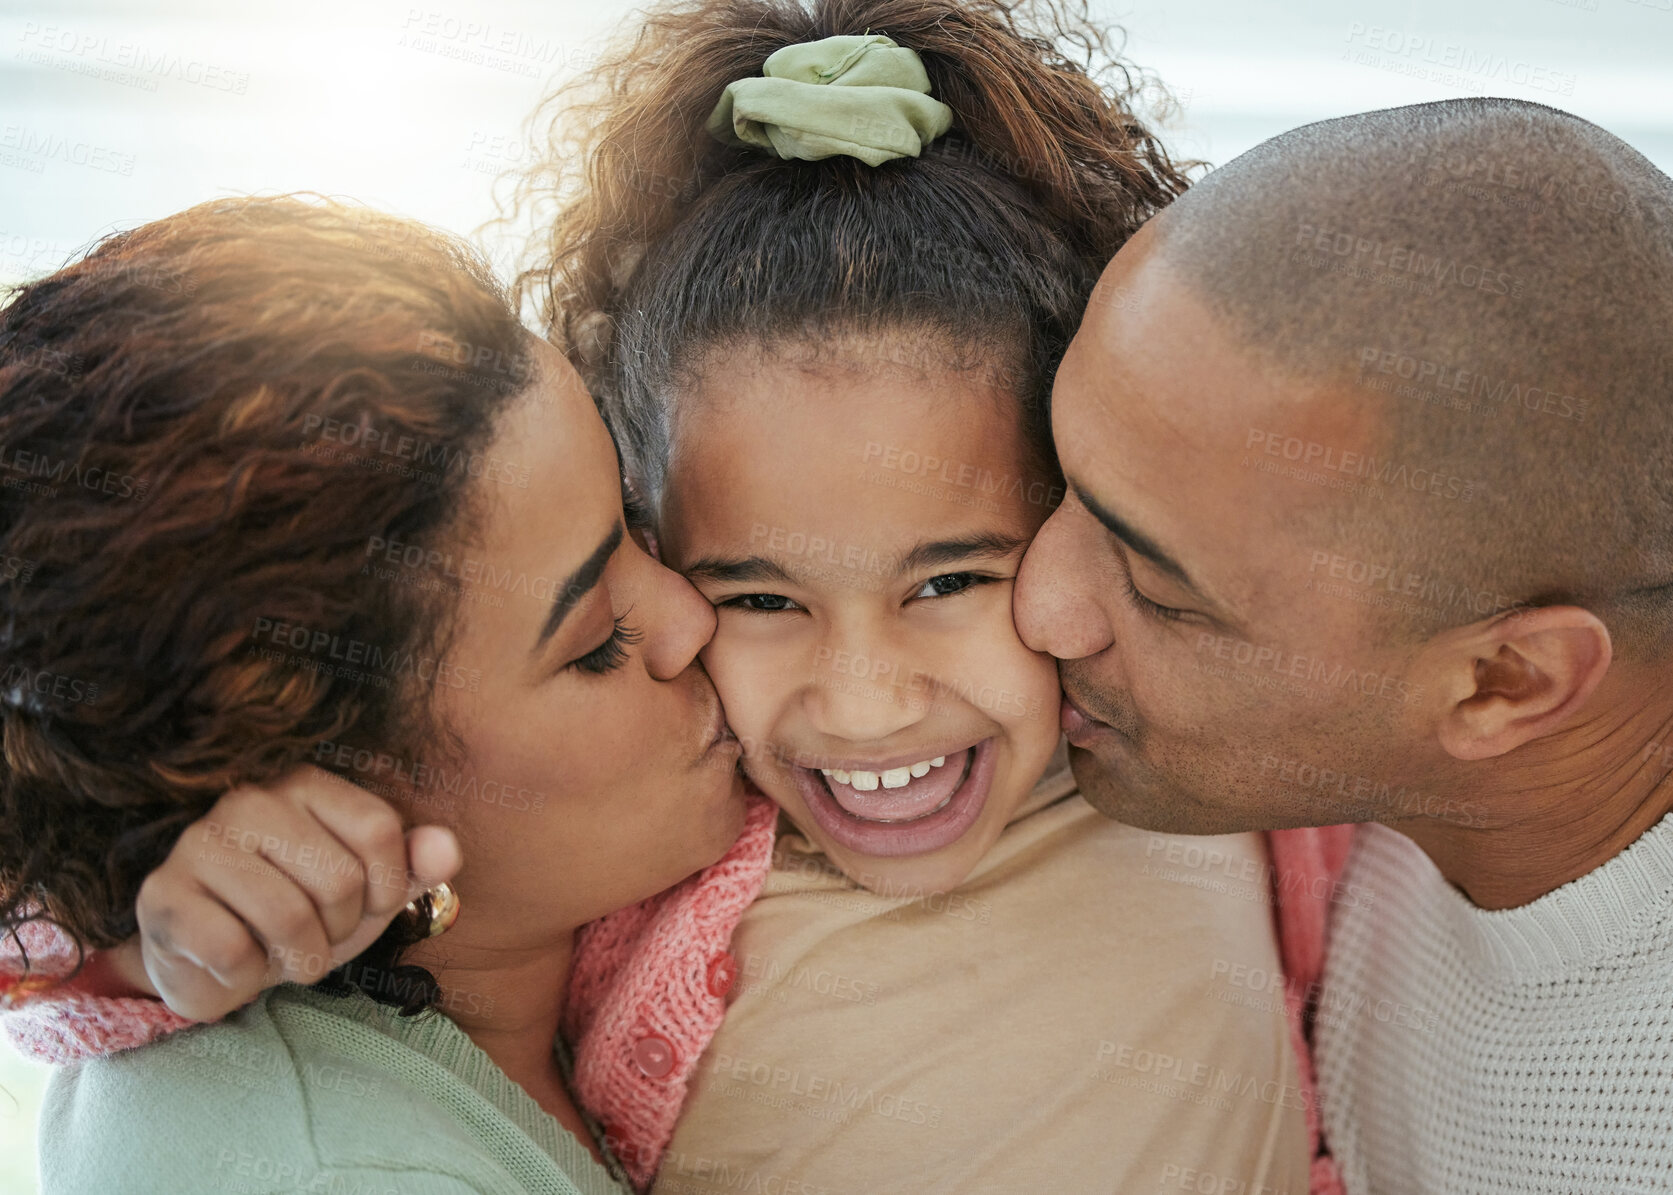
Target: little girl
827,350
819,265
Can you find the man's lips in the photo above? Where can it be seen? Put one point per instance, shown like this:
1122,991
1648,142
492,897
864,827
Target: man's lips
1078,725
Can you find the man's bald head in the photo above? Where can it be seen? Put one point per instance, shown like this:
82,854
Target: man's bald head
1493,279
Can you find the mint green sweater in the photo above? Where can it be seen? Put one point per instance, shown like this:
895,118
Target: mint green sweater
304,1092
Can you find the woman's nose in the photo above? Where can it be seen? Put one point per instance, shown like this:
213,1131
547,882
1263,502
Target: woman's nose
1061,590
676,620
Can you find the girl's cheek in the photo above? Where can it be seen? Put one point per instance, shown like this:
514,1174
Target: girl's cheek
746,686
1031,691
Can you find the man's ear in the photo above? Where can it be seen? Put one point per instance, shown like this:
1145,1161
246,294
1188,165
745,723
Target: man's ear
1518,677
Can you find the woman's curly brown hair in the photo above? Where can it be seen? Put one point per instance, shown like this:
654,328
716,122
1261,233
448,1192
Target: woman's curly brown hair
654,241
204,424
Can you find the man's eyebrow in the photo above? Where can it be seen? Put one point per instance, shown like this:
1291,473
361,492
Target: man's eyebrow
931,553
1136,540
580,583
725,570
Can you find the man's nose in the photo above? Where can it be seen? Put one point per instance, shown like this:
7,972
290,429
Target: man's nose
1062,588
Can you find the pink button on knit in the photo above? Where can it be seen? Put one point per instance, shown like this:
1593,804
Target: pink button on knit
654,1055
723,973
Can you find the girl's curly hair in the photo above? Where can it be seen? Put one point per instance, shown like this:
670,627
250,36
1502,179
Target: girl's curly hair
205,424
655,242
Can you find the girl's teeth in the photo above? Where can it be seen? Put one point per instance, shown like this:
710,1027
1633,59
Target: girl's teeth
893,778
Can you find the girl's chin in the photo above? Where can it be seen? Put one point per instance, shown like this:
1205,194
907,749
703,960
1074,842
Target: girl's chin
916,877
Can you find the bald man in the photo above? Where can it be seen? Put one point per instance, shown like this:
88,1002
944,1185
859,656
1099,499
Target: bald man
1369,446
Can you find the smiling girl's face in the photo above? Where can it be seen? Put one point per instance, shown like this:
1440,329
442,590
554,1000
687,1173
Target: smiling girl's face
858,526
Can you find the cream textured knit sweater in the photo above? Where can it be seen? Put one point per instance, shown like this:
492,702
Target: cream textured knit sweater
1525,1050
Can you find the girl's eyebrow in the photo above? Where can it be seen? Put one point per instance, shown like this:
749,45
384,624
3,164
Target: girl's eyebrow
749,568
931,553
923,555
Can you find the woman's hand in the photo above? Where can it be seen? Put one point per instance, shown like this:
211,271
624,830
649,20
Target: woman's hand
277,884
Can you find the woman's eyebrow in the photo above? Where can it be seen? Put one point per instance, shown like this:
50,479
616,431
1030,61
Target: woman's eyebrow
580,583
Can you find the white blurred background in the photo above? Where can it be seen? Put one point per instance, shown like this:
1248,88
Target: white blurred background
114,112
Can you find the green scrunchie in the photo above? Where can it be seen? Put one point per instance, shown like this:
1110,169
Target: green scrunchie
863,96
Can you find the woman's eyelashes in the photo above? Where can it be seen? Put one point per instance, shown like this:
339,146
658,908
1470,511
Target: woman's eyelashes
611,654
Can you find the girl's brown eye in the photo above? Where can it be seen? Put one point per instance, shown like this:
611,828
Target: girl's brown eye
950,583
767,603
